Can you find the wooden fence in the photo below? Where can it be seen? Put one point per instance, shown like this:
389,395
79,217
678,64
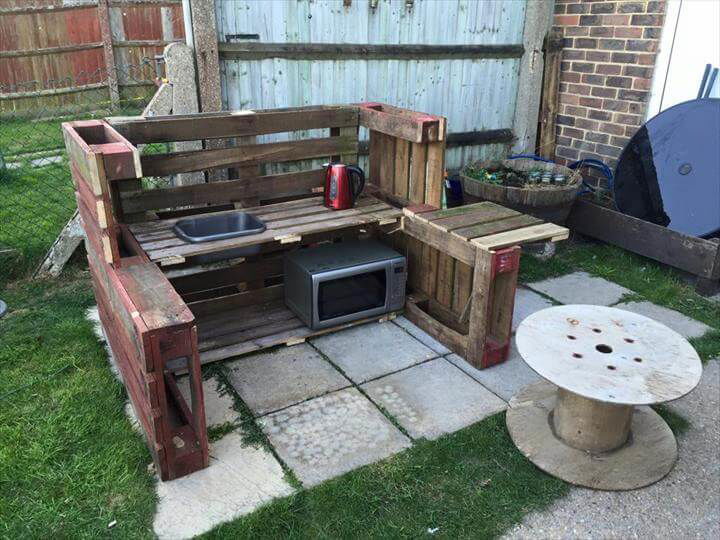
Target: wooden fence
51,48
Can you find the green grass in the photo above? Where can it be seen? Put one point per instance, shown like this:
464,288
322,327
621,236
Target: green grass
35,204
651,281
471,484
69,461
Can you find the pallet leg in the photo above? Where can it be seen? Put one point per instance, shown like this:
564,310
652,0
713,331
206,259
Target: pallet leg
493,299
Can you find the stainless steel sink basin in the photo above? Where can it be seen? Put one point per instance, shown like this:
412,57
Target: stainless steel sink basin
219,227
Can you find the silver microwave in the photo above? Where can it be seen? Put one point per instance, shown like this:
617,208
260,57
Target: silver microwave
337,283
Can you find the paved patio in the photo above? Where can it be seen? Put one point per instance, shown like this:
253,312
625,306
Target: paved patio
351,398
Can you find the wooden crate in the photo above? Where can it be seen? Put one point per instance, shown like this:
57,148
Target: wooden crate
164,310
697,256
486,238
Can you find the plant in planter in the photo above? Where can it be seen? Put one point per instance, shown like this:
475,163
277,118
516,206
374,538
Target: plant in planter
545,190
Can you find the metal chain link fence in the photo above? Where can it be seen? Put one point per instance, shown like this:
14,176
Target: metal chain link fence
36,190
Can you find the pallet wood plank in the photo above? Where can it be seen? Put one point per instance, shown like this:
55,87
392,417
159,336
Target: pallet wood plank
534,233
402,168
386,181
418,162
453,246
232,124
479,216
493,227
251,154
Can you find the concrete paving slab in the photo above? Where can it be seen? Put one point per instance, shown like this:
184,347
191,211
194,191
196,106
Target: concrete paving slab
433,399
276,379
685,504
682,324
527,302
372,350
581,288
238,480
504,380
422,336
331,435
218,406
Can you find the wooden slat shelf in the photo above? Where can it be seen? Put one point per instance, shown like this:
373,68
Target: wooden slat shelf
236,331
286,222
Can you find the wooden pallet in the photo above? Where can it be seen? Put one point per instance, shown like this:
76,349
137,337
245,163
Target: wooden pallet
154,292
287,222
486,237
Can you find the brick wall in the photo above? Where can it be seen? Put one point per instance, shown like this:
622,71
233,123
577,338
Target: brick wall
607,66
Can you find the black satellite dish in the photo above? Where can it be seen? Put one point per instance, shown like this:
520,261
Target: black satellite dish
669,172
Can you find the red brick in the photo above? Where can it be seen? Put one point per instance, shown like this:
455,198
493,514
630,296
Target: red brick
628,119
592,20
602,31
636,107
573,132
586,43
625,58
606,150
572,54
559,9
608,69
564,151
600,91
593,79
563,141
615,105
597,137
655,7
563,120
631,7
572,31
616,20
597,56
652,33
596,114
567,20
641,45
583,145
628,32
586,124
612,129
572,99
646,59
603,7
570,77
619,82
572,110
612,44
647,20
635,71
631,130
632,95
580,89
578,8
583,67
641,84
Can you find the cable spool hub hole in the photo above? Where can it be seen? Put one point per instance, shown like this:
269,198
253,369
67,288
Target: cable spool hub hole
606,349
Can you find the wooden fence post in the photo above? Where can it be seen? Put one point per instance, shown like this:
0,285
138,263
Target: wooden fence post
103,12
538,17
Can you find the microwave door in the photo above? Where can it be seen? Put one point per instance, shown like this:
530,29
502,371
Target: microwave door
350,294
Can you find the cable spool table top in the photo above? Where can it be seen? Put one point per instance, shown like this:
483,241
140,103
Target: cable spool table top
608,354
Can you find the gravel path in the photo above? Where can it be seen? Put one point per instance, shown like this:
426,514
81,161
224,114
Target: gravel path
685,504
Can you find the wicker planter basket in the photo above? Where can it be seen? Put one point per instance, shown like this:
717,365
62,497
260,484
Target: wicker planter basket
549,202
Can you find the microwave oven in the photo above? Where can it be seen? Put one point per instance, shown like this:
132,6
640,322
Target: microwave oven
337,283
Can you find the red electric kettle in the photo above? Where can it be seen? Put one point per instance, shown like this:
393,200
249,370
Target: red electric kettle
343,185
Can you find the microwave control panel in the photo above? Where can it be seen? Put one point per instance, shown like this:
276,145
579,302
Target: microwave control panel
399,279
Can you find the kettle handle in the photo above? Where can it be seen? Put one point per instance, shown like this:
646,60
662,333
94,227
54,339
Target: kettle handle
358,186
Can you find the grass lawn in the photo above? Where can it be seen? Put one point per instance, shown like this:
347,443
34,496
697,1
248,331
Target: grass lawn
70,462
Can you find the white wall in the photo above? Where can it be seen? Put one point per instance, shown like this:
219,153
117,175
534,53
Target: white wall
690,40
